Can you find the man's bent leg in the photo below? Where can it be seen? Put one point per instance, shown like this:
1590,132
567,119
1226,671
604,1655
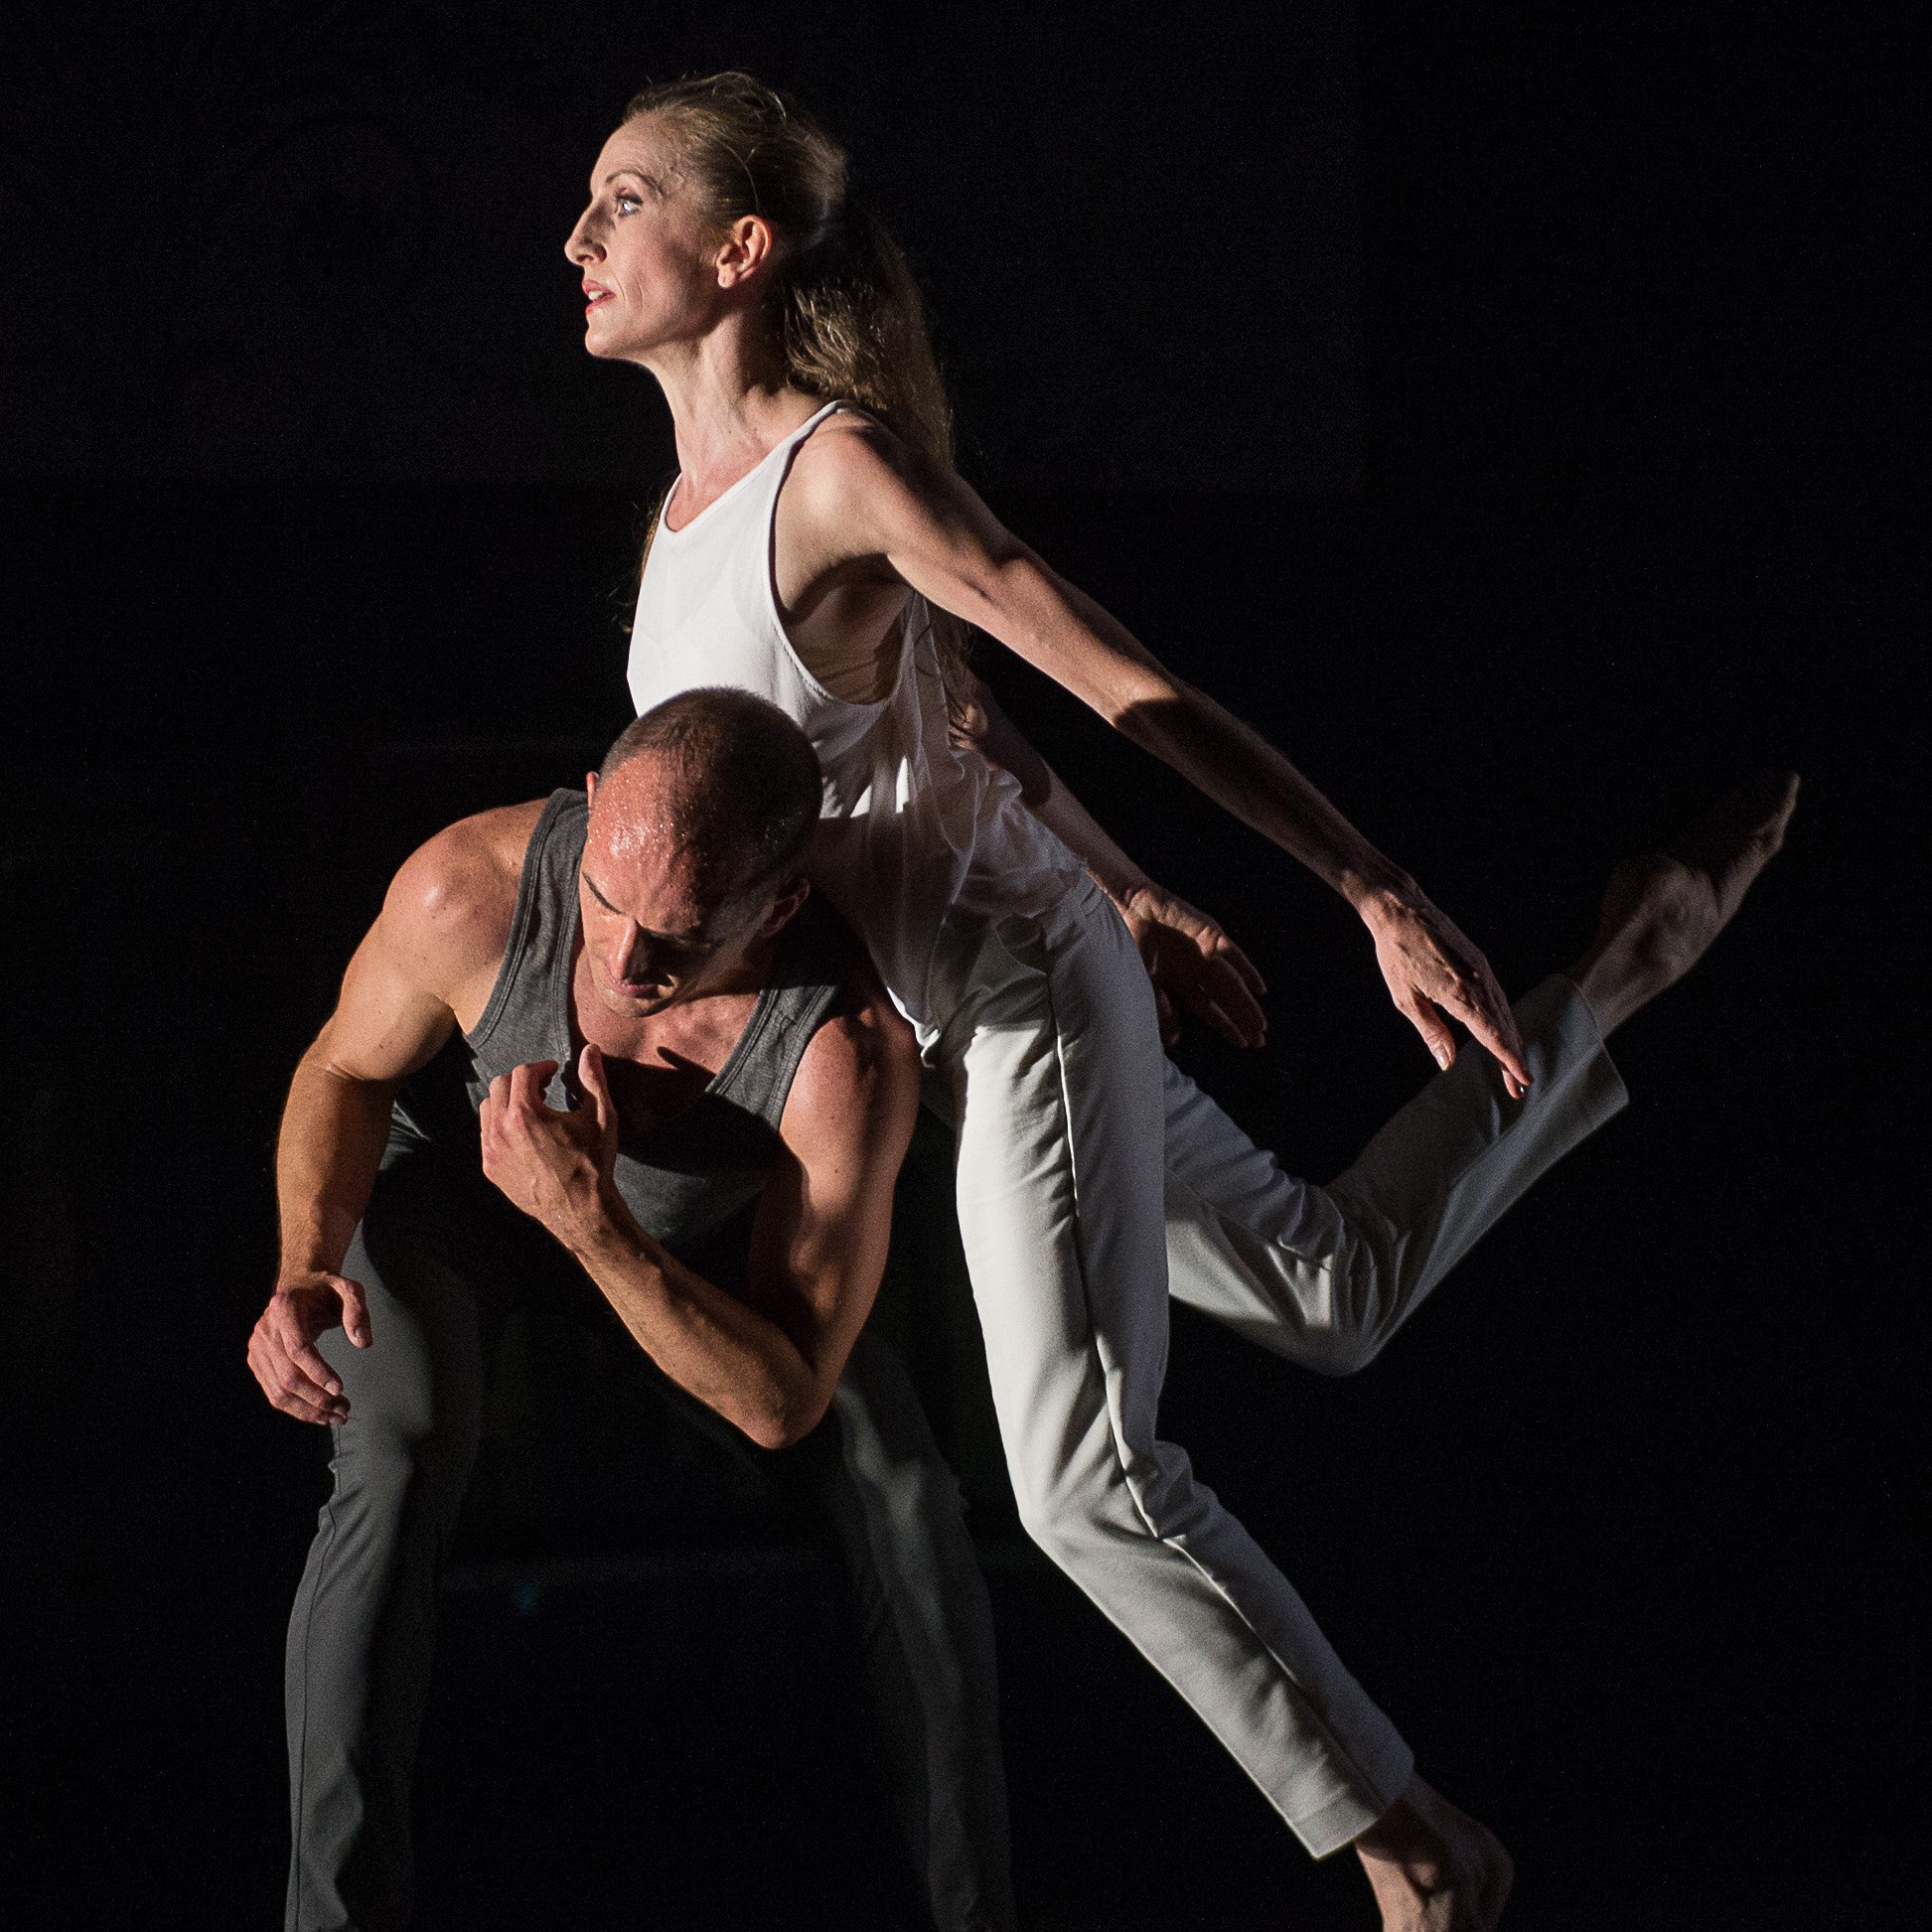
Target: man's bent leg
363,1630
1326,1275
926,1630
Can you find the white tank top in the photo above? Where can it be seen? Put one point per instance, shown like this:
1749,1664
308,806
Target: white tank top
912,826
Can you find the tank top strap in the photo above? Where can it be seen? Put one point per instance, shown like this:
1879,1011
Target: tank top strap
754,493
811,959
528,1017
776,464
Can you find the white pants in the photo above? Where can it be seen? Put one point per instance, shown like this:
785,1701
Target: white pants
1094,1180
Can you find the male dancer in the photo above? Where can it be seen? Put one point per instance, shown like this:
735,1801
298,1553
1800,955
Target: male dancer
745,1097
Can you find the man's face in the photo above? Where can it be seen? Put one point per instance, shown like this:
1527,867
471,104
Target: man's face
656,931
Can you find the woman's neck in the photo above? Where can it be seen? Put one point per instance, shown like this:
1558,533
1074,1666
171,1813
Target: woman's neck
730,406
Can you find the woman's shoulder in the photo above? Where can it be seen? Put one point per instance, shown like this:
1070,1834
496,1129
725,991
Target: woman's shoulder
855,463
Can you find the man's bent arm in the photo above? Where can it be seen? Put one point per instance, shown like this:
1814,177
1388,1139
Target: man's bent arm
440,934
733,1359
767,1363
441,930
334,1130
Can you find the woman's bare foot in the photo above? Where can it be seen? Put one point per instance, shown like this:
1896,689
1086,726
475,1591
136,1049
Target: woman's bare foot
1663,910
1432,1867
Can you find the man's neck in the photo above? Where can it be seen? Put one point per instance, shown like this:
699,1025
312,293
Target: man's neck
696,1033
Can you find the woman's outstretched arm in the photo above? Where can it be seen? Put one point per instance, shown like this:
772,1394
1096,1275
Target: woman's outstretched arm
868,498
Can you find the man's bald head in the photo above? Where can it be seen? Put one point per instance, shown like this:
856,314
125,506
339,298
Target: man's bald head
725,777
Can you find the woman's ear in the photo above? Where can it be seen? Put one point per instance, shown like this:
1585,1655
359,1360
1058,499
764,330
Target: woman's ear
744,252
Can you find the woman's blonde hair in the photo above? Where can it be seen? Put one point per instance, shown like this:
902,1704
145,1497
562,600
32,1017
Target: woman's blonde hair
845,309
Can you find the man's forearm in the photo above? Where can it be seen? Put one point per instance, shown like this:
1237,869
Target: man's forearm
333,1133
733,1359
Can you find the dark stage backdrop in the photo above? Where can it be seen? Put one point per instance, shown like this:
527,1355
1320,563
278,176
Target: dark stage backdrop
1513,476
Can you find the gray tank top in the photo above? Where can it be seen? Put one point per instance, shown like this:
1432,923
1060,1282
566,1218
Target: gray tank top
693,1179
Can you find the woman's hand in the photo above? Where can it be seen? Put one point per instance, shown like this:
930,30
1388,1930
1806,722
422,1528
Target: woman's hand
1190,959
1436,974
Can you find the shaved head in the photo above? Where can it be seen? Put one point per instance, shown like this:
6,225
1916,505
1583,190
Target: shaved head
721,778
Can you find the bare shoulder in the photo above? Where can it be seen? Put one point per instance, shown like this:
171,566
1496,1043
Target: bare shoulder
858,1078
853,463
449,907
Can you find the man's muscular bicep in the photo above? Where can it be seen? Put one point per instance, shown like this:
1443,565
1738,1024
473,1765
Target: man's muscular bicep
433,950
823,1223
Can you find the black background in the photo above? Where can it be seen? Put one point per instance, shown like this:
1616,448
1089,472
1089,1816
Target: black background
1494,414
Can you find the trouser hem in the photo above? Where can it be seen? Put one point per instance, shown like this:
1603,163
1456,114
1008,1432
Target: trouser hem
1345,1817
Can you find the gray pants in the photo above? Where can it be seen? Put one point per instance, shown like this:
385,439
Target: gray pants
442,1266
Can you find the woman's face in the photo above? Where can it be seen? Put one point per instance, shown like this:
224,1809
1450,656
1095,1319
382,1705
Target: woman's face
648,257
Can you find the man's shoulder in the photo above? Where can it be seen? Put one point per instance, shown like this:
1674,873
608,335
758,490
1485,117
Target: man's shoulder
861,1064
454,898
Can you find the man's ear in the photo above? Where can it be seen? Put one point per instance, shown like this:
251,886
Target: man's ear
785,904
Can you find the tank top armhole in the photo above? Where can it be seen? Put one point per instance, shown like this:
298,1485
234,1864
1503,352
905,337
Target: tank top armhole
875,706
800,1029
818,953
527,884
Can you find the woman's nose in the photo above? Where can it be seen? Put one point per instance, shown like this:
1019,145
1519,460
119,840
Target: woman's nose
579,247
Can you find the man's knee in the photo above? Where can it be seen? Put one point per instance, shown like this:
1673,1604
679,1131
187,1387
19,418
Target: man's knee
386,1474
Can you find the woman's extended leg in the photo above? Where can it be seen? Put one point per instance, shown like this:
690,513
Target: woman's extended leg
1326,1275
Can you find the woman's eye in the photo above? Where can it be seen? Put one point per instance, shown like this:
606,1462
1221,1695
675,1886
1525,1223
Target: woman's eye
629,203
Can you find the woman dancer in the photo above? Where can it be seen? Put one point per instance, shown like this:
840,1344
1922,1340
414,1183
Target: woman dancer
817,548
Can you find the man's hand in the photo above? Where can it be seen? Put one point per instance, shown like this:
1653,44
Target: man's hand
555,1166
283,1351
1436,974
1190,959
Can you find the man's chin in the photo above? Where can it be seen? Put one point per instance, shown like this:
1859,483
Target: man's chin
632,1007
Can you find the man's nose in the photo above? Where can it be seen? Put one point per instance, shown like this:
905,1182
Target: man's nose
632,958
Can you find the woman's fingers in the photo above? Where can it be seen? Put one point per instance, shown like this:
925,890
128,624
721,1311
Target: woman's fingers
1484,1012
1230,1029
1232,983
1426,1017
1250,977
